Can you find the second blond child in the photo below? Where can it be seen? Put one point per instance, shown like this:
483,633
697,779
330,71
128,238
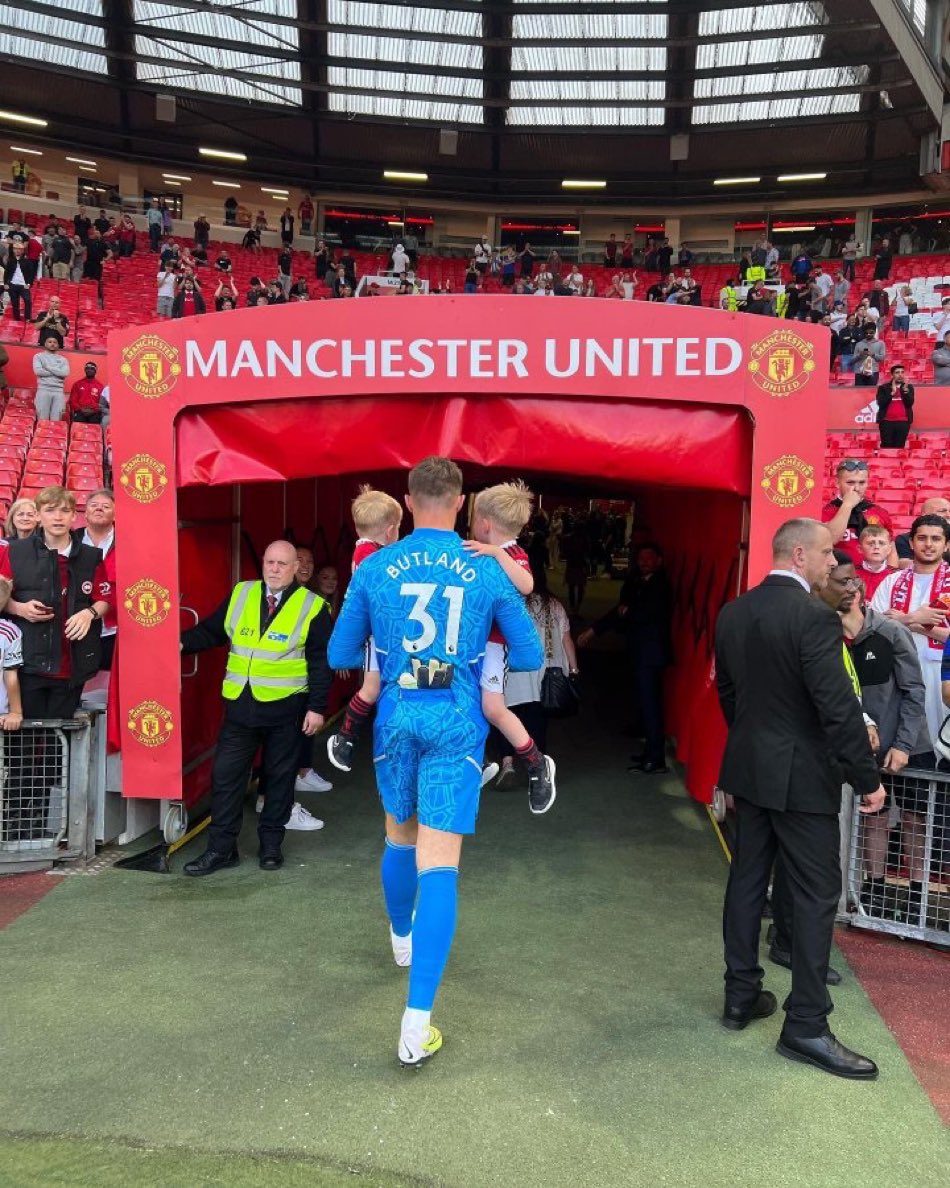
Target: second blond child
376,517
498,516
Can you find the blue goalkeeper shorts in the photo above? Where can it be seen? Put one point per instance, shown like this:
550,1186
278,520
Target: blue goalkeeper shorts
428,753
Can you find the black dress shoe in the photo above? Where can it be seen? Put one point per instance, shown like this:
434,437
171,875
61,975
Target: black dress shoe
736,1018
648,767
782,957
210,861
825,1052
271,860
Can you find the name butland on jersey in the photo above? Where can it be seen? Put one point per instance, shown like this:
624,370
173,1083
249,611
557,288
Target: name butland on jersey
429,605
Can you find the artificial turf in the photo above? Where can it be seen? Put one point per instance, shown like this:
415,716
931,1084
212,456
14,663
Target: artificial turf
242,1028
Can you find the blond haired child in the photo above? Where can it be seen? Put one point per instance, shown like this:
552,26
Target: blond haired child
498,516
376,517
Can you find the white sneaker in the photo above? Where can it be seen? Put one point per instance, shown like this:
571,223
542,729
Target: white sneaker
488,773
402,948
301,819
311,782
259,806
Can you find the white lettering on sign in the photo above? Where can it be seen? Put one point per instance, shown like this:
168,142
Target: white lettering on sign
462,358
195,364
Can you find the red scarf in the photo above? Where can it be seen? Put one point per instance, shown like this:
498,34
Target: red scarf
939,594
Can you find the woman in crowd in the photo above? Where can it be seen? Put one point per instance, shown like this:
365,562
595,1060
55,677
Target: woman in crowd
523,689
327,585
22,519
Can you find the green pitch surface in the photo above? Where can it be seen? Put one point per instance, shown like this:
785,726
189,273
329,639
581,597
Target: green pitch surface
241,1029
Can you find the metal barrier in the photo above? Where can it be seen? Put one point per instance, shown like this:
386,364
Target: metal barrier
46,811
898,871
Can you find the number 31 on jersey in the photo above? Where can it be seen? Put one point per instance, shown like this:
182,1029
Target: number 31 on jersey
423,593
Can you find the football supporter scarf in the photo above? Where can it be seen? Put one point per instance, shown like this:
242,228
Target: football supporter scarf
939,594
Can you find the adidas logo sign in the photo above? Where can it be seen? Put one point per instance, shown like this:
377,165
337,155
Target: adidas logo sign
867,415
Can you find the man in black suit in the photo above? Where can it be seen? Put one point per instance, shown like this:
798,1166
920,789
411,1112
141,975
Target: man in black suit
275,686
796,733
644,615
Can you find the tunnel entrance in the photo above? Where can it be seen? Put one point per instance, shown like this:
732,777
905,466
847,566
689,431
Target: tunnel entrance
690,416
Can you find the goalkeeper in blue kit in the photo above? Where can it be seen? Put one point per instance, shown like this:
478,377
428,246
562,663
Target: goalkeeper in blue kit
429,605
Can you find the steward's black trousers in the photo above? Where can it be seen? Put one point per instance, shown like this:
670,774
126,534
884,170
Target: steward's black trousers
248,724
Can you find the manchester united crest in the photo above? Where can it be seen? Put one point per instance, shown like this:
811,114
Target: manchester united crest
788,481
150,366
782,364
147,603
151,723
144,478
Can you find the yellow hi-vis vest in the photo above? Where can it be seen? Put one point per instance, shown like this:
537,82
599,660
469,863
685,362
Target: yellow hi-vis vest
731,297
851,671
275,664
781,303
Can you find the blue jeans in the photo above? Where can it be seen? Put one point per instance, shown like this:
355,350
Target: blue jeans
902,322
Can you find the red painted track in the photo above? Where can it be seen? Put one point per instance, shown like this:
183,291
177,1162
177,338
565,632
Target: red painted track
909,985
18,893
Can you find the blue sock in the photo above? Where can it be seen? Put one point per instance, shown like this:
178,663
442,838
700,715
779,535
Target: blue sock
398,872
432,933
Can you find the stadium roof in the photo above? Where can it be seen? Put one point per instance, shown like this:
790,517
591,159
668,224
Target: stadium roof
322,90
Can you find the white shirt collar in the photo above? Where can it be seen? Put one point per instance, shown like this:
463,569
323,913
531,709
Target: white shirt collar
792,574
277,595
107,542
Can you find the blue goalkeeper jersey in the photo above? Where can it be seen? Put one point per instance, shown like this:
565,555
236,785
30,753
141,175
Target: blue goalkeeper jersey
429,606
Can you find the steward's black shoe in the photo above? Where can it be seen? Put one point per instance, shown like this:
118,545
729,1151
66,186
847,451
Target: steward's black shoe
210,861
782,957
270,859
648,767
736,1018
828,1054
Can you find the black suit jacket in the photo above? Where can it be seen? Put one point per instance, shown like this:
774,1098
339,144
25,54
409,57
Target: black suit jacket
796,730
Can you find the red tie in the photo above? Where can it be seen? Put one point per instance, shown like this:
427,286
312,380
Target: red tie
271,604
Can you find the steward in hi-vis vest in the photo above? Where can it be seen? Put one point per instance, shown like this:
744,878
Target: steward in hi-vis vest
275,692
269,657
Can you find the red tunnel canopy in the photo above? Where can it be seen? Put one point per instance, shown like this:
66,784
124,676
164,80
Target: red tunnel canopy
637,442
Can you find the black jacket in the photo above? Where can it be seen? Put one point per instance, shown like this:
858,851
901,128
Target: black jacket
796,731
210,633
36,575
178,304
646,623
885,396
27,267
